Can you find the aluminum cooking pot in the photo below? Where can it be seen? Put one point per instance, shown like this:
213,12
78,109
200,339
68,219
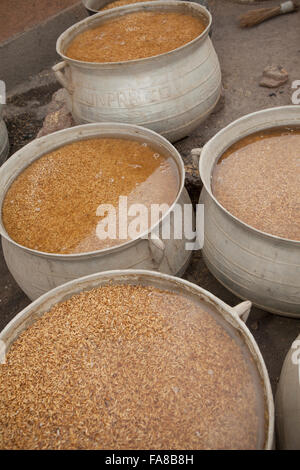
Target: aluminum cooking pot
170,93
234,317
252,264
37,272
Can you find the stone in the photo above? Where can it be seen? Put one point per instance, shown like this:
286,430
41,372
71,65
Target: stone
274,76
56,121
58,116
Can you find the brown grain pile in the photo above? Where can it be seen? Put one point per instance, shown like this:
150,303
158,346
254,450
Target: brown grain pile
129,367
135,36
258,181
52,205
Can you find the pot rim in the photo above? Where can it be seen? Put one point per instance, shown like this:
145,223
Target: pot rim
90,9
116,12
206,154
101,129
228,314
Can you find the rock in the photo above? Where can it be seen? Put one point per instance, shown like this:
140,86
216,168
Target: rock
58,116
56,121
274,76
59,98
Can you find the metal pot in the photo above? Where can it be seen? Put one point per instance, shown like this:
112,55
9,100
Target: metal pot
4,144
94,6
171,93
287,403
234,317
252,264
37,272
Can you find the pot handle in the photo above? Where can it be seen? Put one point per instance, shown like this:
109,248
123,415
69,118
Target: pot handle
60,75
157,248
196,154
242,310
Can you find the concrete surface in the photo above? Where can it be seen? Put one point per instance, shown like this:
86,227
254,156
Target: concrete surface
243,55
20,15
28,52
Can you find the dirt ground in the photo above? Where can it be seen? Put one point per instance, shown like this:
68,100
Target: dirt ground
243,55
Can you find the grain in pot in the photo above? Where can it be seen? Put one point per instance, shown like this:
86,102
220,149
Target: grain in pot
121,3
135,36
130,367
258,181
52,205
